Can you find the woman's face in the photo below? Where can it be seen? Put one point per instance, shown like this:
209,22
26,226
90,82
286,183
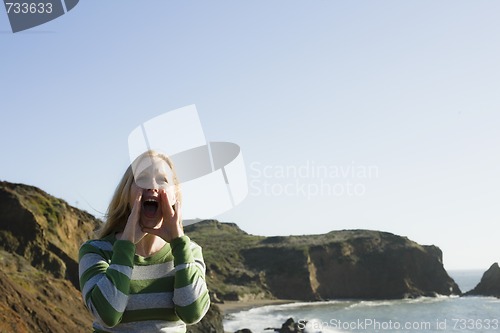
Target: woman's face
152,175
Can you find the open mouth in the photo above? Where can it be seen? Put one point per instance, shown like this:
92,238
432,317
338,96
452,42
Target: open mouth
150,207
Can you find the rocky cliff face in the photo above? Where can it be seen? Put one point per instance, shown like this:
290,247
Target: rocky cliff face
341,264
43,229
34,301
39,237
489,284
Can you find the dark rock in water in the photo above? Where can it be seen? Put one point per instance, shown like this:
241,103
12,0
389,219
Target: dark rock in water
289,326
243,330
489,284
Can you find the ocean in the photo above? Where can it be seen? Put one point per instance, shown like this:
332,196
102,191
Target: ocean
425,314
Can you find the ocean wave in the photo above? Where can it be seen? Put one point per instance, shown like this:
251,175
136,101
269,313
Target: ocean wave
418,300
370,304
304,304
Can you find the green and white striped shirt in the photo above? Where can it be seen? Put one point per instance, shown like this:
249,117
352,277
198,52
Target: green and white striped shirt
129,293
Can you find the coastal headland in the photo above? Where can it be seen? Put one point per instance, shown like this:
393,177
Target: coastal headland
40,236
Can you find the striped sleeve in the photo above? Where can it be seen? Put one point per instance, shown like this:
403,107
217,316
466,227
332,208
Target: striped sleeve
191,296
105,283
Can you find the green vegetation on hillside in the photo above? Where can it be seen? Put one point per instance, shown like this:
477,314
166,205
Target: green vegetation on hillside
227,275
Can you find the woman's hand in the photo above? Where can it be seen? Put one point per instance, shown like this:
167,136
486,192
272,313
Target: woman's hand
132,231
171,225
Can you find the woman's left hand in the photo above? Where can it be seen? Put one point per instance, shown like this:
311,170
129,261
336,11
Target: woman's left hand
171,225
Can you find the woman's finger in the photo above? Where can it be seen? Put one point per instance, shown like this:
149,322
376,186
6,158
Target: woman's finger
136,209
165,204
132,230
178,211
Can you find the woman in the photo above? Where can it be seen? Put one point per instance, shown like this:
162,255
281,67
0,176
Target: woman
143,274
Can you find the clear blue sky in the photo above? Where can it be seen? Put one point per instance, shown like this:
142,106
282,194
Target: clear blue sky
408,89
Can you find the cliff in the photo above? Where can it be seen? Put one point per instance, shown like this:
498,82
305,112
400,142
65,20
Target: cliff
360,264
489,284
46,231
33,301
39,240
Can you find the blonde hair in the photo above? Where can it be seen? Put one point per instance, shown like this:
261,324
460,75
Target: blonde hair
119,208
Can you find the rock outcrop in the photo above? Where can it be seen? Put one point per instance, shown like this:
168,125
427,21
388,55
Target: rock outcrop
43,229
211,323
33,301
489,284
360,264
289,326
39,240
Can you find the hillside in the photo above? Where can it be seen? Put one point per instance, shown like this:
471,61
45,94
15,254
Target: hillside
40,236
34,301
39,240
361,264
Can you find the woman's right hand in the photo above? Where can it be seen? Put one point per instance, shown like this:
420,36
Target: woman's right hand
132,231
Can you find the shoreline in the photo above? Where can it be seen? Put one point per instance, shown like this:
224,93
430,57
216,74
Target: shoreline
229,307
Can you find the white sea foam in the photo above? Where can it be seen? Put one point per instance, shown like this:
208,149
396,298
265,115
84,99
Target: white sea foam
369,304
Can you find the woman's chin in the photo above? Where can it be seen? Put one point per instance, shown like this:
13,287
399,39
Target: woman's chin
150,222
